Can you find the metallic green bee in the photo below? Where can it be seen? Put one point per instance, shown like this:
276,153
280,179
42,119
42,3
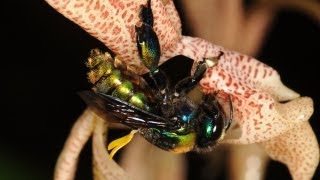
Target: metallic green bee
167,117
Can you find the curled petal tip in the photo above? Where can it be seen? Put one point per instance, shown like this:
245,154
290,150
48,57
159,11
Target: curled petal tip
278,90
271,122
285,94
297,110
298,149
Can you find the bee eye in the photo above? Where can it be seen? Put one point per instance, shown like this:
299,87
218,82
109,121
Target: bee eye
209,130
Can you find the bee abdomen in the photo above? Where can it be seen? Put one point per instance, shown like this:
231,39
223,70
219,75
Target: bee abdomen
99,64
140,101
108,83
123,91
107,79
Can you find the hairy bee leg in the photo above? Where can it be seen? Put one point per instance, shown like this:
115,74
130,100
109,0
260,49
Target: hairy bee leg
149,52
147,40
148,46
119,143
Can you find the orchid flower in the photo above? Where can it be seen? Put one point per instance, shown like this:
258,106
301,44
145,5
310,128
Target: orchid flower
256,91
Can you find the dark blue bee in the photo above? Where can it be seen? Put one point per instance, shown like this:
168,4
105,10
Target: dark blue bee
167,117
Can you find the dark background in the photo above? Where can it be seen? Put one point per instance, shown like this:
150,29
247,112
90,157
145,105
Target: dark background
42,68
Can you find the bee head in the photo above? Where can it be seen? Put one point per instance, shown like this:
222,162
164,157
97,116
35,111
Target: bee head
209,127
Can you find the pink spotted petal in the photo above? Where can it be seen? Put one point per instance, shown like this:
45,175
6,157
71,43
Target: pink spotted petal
174,16
298,149
113,23
280,119
244,70
255,89
66,165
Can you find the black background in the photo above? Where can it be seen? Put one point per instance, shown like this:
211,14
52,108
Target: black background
42,68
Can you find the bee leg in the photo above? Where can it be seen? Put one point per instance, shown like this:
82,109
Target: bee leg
149,47
188,83
146,15
185,85
147,40
229,121
149,53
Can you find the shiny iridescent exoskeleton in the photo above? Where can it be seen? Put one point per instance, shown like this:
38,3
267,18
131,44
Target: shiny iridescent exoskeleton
166,117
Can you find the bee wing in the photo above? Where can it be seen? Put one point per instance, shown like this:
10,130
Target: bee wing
105,105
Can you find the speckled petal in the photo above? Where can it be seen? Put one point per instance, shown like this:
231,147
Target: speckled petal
269,122
244,69
255,89
112,22
174,16
298,149
66,165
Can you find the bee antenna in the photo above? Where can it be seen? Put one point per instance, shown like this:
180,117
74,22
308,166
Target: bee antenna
231,114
